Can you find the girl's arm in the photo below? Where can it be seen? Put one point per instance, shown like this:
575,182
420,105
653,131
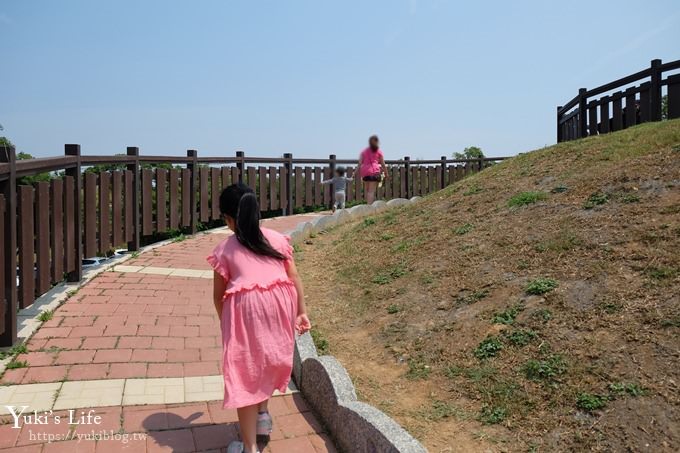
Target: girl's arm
219,286
302,323
384,167
328,181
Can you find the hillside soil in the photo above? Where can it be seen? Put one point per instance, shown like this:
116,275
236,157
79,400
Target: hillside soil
534,306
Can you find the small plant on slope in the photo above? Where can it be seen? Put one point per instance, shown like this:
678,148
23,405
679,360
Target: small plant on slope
590,402
526,198
489,347
541,286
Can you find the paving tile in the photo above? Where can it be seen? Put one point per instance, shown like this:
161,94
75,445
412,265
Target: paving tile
119,331
182,355
45,374
201,368
153,331
167,343
39,434
322,443
296,402
145,418
36,358
127,370
134,342
294,425
89,394
211,354
36,343
99,343
214,436
184,331
53,332
8,435
63,343
88,372
297,445
141,320
26,449
14,376
116,446
154,391
159,370
149,355
70,446
111,320
203,388
112,355
188,415
78,321
220,415
176,441
73,357
124,268
91,331
38,397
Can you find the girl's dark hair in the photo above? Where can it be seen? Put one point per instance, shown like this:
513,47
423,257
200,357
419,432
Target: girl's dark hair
239,202
373,142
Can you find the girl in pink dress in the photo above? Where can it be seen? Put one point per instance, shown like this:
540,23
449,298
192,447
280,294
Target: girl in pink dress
372,167
259,299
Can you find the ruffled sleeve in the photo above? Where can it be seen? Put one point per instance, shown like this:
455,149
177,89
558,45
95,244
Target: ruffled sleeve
217,261
287,248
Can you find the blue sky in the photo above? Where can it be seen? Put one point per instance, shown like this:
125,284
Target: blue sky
312,77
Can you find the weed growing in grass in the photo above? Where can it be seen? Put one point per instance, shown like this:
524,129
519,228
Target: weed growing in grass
473,297
179,238
596,199
541,286
526,198
296,248
13,351
401,247
489,347
390,218
442,409
508,315
630,198
393,309
386,236
390,274
611,307
590,402
563,242
474,189
134,255
46,315
491,415
545,370
463,229
14,364
368,221
670,322
542,314
417,369
319,341
521,337
632,389
661,273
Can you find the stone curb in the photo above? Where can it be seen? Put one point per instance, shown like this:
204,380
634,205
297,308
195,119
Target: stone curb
324,382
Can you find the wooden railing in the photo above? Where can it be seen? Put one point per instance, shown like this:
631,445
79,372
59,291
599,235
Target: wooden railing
92,205
602,110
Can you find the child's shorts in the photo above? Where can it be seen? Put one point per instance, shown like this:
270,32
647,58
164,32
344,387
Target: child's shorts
339,200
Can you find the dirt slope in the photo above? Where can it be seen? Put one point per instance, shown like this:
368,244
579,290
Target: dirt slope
430,307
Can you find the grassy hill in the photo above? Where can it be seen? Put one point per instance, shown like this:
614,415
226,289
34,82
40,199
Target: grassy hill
534,306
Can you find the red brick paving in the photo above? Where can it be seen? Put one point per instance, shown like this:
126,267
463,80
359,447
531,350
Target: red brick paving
175,428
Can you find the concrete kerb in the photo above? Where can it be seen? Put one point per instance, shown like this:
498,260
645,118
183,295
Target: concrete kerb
326,386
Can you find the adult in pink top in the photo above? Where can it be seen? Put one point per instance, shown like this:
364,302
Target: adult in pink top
372,167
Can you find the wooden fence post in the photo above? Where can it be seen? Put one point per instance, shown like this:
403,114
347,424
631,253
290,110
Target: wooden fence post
288,165
655,90
240,164
193,186
559,127
332,165
407,176
582,116
444,174
134,244
8,299
74,172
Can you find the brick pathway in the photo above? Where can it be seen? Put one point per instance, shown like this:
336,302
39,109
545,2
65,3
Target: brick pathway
145,322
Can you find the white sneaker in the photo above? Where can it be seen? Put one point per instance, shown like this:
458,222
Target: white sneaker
265,424
237,447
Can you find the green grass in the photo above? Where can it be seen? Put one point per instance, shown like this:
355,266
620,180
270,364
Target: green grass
662,273
508,315
13,351
393,309
542,314
489,347
526,198
596,199
386,236
491,415
321,343
473,297
474,189
546,370
521,337
390,274
590,402
541,286
632,389
296,248
441,410
368,221
46,315
14,364
418,369
463,229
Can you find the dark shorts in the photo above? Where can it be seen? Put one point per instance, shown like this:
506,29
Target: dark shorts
375,177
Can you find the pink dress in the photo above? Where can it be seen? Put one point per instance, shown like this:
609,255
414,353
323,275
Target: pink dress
370,162
258,320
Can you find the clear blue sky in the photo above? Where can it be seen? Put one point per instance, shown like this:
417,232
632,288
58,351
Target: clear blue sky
312,77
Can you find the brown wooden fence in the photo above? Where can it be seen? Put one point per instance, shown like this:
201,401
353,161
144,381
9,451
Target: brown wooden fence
610,107
92,205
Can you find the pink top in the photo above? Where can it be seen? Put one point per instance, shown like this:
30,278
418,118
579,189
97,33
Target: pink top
370,162
244,270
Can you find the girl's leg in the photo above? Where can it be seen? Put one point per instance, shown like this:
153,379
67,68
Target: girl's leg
263,406
247,419
369,188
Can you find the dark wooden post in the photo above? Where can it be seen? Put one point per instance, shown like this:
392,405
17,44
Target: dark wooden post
240,164
288,165
444,173
655,90
9,299
134,244
193,185
74,172
673,96
559,126
332,165
407,165
582,114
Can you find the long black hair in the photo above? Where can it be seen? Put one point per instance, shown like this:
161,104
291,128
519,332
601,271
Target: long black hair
239,202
